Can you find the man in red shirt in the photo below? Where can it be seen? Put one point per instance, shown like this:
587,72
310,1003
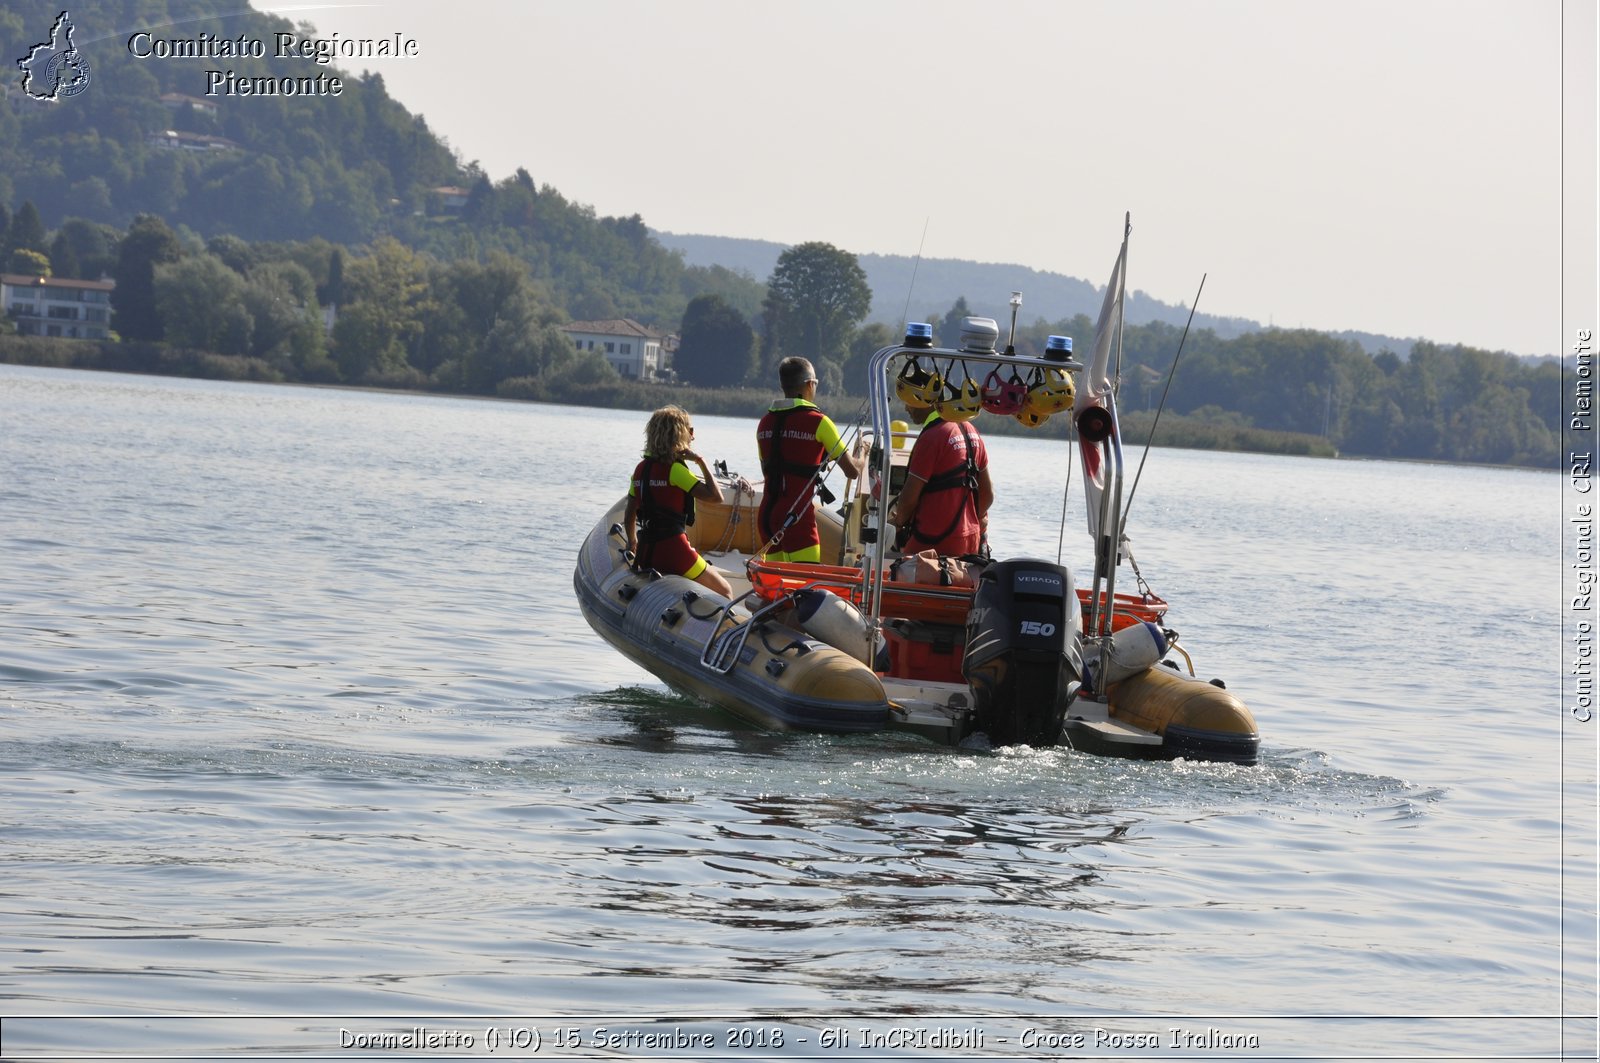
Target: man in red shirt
944,505
795,440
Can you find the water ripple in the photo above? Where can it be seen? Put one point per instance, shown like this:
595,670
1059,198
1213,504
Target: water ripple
297,713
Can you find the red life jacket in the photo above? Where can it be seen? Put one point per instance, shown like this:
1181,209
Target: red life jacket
665,509
791,455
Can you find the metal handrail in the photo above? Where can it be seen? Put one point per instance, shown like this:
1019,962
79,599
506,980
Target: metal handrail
722,650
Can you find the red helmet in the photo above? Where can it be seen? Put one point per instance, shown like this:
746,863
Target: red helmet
1004,397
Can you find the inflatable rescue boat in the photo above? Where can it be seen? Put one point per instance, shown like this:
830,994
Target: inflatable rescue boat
959,650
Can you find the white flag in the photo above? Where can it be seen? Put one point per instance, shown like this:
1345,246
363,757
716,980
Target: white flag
1102,459
1097,383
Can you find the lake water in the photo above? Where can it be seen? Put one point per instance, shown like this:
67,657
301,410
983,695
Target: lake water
305,748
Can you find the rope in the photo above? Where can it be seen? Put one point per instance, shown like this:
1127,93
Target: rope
741,487
1066,489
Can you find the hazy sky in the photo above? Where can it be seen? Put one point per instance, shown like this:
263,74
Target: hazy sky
1386,165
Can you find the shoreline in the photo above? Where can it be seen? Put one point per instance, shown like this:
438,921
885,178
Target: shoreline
654,395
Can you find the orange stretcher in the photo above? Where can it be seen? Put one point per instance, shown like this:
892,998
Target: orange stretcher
913,601
928,602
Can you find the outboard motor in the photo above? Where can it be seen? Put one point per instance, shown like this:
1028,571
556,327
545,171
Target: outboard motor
1024,657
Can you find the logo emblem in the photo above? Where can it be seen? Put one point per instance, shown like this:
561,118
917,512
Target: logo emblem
55,69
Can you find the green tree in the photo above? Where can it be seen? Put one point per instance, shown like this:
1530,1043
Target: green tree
871,338
332,292
88,247
387,294
92,195
235,253
594,304
201,302
717,345
28,263
480,200
815,297
1423,409
585,371
25,233
546,353
148,243
516,348
739,290
161,181
486,323
63,258
950,328
286,326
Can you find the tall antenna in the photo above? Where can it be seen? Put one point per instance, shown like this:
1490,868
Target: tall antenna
905,315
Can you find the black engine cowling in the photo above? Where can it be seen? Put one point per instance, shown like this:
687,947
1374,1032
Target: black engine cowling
1024,657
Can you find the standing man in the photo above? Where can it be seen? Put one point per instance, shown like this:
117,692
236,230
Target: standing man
944,505
795,440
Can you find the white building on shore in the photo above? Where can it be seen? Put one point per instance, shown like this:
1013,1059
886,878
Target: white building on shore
634,350
56,306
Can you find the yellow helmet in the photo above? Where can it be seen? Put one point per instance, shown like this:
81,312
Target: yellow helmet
960,403
1051,393
918,387
1031,418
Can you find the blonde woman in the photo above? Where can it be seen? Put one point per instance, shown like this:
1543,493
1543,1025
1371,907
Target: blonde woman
661,502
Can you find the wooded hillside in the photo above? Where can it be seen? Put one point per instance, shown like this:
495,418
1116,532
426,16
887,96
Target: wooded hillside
241,227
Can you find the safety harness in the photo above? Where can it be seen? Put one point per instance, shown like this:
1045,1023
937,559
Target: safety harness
962,475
